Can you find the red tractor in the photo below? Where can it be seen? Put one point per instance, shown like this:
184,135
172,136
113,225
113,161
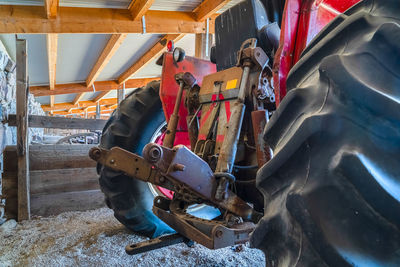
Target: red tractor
289,138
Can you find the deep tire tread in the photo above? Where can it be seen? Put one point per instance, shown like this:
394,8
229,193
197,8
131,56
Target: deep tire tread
129,198
332,190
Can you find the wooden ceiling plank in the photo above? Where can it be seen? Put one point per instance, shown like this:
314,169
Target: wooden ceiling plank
138,8
76,88
151,54
51,8
81,104
29,20
208,8
109,50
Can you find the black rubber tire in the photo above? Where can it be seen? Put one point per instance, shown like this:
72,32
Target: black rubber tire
131,127
332,190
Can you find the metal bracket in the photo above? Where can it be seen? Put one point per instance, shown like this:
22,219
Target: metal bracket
210,233
131,164
156,243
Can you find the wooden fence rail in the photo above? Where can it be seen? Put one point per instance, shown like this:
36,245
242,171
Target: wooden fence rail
62,178
36,121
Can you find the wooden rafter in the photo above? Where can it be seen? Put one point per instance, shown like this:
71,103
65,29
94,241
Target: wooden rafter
81,112
151,54
100,96
29,19
109,50
208,8
82,104
88,110
51,8
52,40
75,88
78,98
139,7
114,106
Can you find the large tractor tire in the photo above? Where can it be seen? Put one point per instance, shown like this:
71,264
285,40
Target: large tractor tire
332,189
131,127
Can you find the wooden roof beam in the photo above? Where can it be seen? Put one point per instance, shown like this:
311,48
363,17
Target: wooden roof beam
139,7
77,111
30,19
109,50
208,8
151,54
78,98
76,88
82,104
114,106
51,8
100,96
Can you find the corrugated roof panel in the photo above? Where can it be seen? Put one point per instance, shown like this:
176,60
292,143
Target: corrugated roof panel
229,5
175,5
22,2
44,100
169,5
96,3
68,98
38,69
133,47
73,3
89,96
111,94
77,53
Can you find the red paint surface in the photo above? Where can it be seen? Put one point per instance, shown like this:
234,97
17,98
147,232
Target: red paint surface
302,21
169,87
168,91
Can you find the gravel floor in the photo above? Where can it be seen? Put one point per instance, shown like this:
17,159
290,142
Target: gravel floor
96,238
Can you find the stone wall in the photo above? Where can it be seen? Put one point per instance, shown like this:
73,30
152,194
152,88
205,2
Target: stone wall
8,135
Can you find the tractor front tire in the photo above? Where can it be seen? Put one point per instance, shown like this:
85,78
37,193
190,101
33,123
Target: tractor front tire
131,127
332,189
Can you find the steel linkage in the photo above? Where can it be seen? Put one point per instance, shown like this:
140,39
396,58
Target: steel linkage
203,175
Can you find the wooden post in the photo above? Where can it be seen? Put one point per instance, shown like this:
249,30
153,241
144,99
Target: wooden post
98,111
24,212
201,44
121,95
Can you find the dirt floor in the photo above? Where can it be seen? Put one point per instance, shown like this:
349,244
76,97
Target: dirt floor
96,238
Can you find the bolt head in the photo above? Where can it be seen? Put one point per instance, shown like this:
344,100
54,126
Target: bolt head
218,233
152,152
